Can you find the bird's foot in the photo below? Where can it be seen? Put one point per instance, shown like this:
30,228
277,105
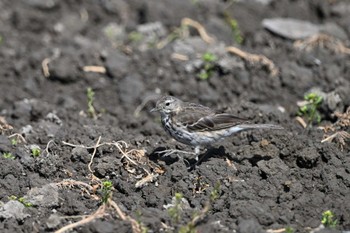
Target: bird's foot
165,153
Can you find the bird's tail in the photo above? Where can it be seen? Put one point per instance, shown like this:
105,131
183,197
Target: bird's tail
260,126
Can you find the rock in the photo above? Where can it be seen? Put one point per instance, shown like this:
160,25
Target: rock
291,28
307,157
295,29
52,117
51,124
13,209
117,64
46,196
53,221
64,69
272,166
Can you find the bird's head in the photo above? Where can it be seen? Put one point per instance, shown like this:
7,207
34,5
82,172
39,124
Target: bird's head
167,105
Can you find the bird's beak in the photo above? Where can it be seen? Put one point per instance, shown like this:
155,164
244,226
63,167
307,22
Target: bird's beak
154,110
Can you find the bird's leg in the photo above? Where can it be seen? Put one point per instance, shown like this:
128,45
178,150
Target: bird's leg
169,152
197,151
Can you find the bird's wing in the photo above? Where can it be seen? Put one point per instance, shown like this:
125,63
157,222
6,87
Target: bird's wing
215,122
190,113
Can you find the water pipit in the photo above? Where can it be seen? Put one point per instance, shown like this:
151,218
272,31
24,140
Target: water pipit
200,126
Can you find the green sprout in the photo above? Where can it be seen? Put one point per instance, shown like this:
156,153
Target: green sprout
106,190
21,200
175,211
90,99
135,36
289,230
215,194
328,219
209,65
14,141
8,155
141,227
237,35
36,152
310,108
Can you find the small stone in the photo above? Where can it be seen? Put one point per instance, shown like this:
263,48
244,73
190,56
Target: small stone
13,209
46,196
53,221
291,28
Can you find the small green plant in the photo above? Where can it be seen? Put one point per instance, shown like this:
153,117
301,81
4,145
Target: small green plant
175,211
8,155
237,35
21,200
215,194
289,230
90,100
209,65
310,108
141,226
135,36
14,141
36,152
328,219
106,190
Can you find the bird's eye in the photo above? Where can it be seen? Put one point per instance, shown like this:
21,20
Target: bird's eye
167,104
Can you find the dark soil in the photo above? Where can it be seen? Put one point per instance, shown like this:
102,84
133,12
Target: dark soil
268,179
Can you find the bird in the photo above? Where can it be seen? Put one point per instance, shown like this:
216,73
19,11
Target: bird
200,126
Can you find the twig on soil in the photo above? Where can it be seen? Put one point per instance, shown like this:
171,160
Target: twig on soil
95,69
276,230
201,30
100,212
301,121
45,67
93,154
322,41
136,227
47,147
148,179
254,58
180,57
19,137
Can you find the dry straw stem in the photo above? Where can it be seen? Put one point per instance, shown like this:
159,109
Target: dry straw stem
254,58
95,69
45,67
19,137
200,28
100,212
322,41
276,230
